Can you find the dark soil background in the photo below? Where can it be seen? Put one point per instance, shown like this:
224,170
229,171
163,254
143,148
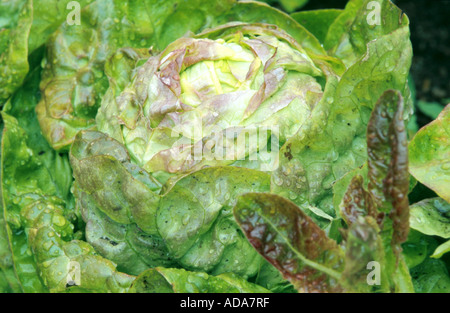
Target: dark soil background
430,27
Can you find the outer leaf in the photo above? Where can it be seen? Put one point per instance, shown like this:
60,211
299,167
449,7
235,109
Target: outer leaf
39,225
332,142
48,15
120,189
418,248
18,16
125,217
430,155
257,12
441,250
317,22
431,277
290,240
350,33
21,106
127,245
179,280
17,181
431,217
199,230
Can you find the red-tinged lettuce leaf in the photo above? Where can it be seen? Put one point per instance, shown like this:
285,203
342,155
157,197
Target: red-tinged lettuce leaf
357,202
168,280
430,155
383,210
290,241
388,175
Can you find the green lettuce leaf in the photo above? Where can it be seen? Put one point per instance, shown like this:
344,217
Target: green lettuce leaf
39,227
38,210
361,22
200,230
168,280
24,26
317,22
15,23
430,155
432,217
332,141
431,277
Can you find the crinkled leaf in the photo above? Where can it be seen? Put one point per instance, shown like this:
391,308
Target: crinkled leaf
40,228
387,148
357,202
255,77
200,230
120,189
48,15
21,106
170,280
73,79
430,155
290,240
127,245
361,22
332,141
15,23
